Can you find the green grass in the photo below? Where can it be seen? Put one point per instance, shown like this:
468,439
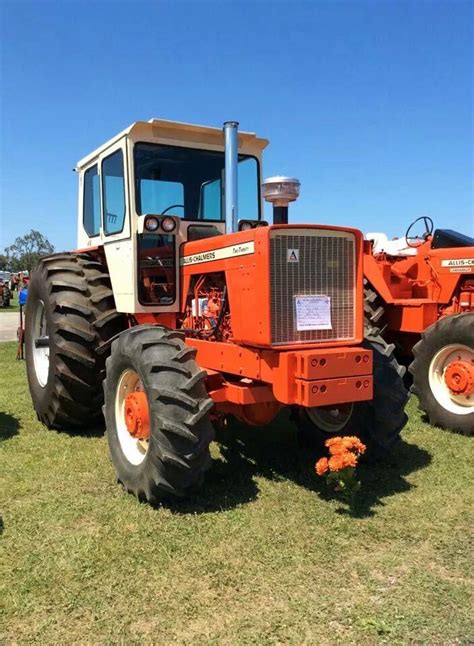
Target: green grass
14,307
261,556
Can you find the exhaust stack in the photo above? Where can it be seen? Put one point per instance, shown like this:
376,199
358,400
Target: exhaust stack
231,138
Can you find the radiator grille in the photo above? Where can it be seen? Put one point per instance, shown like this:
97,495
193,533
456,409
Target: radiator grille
326,266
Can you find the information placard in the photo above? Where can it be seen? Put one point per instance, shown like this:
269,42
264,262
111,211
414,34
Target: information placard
313,312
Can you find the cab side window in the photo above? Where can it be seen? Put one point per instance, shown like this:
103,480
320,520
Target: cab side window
91,202
113,191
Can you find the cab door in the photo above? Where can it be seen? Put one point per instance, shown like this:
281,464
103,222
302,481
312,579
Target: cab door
116,226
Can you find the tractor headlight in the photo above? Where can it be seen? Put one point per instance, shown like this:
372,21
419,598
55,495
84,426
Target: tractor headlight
151,224
246,225
168,225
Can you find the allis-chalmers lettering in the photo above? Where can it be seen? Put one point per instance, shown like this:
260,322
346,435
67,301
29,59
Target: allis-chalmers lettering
458,262
200,257
219,254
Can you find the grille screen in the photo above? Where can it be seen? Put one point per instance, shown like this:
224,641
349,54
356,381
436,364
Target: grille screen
325,266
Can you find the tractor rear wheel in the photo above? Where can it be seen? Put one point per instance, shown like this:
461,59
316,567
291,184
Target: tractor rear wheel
157,413
70,313
443,373
377,422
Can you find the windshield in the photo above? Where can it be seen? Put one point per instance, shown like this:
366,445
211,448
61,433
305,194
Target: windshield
188,182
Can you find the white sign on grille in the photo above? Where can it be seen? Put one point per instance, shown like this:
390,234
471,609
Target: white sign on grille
313,312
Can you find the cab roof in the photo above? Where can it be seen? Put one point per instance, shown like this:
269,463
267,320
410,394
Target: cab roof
177,132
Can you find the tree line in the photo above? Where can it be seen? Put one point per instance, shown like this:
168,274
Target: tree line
25,252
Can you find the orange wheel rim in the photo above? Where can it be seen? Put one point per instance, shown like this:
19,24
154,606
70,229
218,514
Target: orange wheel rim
137,415
459,378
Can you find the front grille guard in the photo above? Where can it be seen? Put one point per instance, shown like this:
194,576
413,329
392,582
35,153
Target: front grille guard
308,263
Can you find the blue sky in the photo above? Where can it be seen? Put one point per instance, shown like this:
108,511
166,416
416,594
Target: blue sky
369,104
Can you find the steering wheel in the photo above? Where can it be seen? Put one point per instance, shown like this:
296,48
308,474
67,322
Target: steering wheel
173,206
428,222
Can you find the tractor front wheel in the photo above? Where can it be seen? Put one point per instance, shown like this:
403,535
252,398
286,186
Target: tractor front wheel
443,373
157,413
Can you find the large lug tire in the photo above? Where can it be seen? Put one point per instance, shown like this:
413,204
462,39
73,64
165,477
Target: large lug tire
377,422
448,340
172,461
374,309
70,313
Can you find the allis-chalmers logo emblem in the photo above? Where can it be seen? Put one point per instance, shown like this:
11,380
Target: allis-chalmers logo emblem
292,255
458,262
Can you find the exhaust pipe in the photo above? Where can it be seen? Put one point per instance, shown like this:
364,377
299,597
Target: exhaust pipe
231,138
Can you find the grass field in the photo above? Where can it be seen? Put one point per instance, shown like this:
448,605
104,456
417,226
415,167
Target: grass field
261,556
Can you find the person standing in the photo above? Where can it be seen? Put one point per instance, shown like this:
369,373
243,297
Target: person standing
23,293
5,293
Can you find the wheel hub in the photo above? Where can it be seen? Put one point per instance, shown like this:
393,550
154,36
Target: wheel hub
137,416
459,378
132,417
331,419
451,378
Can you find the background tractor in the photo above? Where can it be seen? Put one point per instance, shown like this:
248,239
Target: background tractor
173,313
419,290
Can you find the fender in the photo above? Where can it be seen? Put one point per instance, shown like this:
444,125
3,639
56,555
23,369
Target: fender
374,276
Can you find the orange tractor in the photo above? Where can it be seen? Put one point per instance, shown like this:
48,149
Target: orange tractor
420,293
174,312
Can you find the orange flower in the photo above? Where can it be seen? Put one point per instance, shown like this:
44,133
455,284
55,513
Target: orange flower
333,441
344,452
342,460
336,462
354,444
321,466
335,445
339,445
349,459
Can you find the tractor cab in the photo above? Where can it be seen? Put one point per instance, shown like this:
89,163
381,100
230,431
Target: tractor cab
152,188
